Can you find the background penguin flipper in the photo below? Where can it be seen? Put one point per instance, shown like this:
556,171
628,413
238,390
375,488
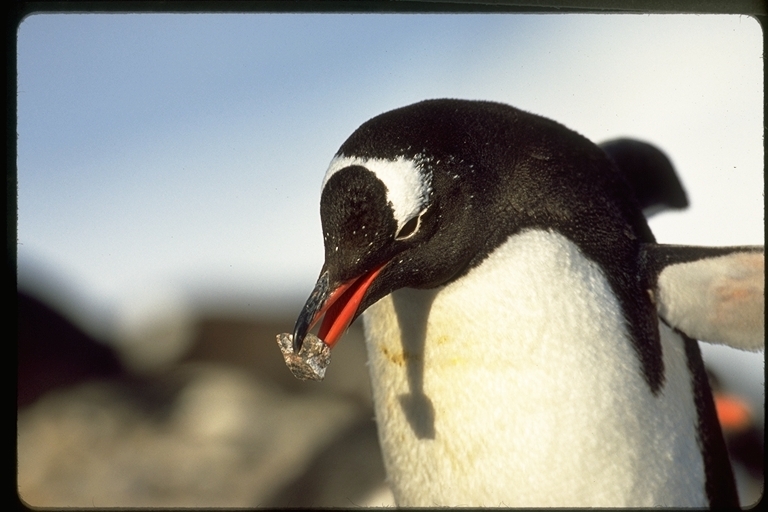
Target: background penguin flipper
650,174
714,294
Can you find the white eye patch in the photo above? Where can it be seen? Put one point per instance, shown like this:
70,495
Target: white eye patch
408,186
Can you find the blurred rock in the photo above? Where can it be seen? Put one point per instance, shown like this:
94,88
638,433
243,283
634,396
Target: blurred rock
154,328
347,473
227,426
202,436
54,353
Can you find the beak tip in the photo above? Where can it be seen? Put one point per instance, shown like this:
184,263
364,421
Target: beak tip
297,341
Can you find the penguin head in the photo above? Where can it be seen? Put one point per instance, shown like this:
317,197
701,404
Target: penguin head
419,195
384,227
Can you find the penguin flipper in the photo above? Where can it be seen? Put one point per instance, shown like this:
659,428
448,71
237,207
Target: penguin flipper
714,294
649,173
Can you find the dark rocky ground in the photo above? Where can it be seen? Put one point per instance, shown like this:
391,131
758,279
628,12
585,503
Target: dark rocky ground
225,425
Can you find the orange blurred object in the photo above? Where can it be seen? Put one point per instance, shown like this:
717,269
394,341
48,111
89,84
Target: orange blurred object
733,412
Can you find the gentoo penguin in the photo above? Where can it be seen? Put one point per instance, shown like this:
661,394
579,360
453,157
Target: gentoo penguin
528,342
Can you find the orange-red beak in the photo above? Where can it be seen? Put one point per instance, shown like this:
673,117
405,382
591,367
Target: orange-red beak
339,306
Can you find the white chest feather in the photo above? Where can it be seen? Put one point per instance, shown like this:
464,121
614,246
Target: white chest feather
517,386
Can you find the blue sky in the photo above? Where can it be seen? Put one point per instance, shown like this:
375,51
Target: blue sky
183,154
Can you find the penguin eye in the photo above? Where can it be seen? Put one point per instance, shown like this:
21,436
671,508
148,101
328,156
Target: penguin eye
408,228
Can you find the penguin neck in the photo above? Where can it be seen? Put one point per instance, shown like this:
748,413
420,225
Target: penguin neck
517,385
